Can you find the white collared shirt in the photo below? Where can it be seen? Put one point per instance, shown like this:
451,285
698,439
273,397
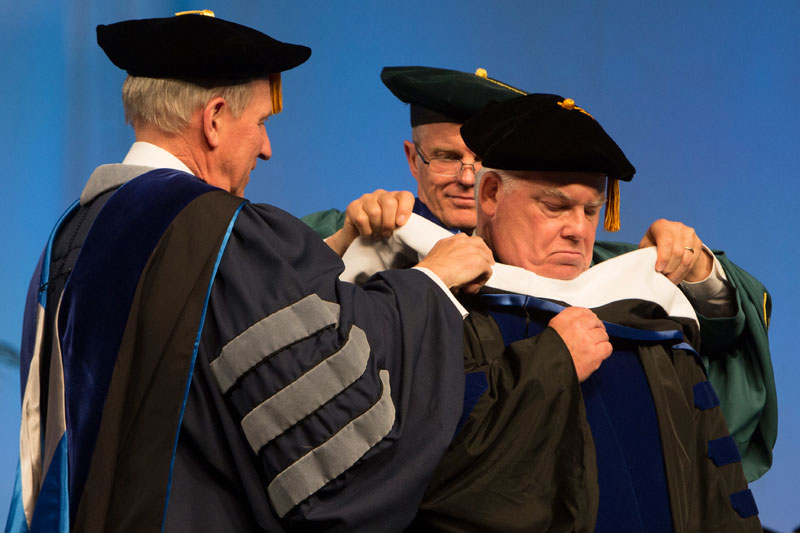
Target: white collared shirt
149,155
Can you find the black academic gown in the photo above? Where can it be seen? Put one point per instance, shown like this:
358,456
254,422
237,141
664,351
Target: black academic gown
641,445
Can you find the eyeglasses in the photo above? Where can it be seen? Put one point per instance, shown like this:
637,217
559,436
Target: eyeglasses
447,167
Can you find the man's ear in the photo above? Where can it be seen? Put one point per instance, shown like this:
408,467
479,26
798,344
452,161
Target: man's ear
212,116
412,156
488,192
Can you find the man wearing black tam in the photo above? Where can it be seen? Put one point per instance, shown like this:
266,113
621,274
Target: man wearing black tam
557,432
586,396
190,360
732,307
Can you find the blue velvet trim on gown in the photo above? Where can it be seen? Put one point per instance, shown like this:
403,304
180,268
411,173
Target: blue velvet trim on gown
744,503
705,397
98,296
723,451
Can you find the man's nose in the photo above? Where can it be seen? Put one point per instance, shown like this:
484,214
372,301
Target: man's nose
467,175
577,224
266,148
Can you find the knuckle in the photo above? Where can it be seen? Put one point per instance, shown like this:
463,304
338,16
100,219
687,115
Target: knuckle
360,216
666,242
388,200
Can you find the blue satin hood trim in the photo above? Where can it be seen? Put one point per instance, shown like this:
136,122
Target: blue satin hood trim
614,330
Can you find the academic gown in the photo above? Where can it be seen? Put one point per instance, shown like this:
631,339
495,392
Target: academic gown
641,445
206,370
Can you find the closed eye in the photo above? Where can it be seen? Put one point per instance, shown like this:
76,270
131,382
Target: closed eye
555,207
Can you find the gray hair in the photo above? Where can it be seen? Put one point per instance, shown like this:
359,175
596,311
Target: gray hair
508,179
168,104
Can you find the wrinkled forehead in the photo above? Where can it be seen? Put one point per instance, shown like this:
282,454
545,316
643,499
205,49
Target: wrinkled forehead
561,179
438,132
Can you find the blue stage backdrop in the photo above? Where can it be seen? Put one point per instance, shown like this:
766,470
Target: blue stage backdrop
700,95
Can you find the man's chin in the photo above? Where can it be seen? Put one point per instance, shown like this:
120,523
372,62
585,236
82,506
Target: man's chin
465,220
562,271
238,189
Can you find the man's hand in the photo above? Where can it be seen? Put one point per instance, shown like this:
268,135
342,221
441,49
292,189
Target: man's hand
585,336
680,252
374,215
462,263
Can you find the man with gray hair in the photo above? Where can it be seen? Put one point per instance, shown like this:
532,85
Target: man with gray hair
587,406
190,360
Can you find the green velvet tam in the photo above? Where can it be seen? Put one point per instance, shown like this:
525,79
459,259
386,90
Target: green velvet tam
442,95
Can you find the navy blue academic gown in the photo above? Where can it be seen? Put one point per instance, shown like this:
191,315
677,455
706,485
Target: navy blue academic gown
208,371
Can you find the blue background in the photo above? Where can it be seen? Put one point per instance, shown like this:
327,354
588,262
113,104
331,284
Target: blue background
702,96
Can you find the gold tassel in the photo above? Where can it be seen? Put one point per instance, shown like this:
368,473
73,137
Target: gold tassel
611,222
277,92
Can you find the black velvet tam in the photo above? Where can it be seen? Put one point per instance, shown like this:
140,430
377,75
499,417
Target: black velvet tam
442,95
544,132
196,47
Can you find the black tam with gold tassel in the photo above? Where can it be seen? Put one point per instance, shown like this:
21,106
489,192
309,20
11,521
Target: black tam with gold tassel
547,132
